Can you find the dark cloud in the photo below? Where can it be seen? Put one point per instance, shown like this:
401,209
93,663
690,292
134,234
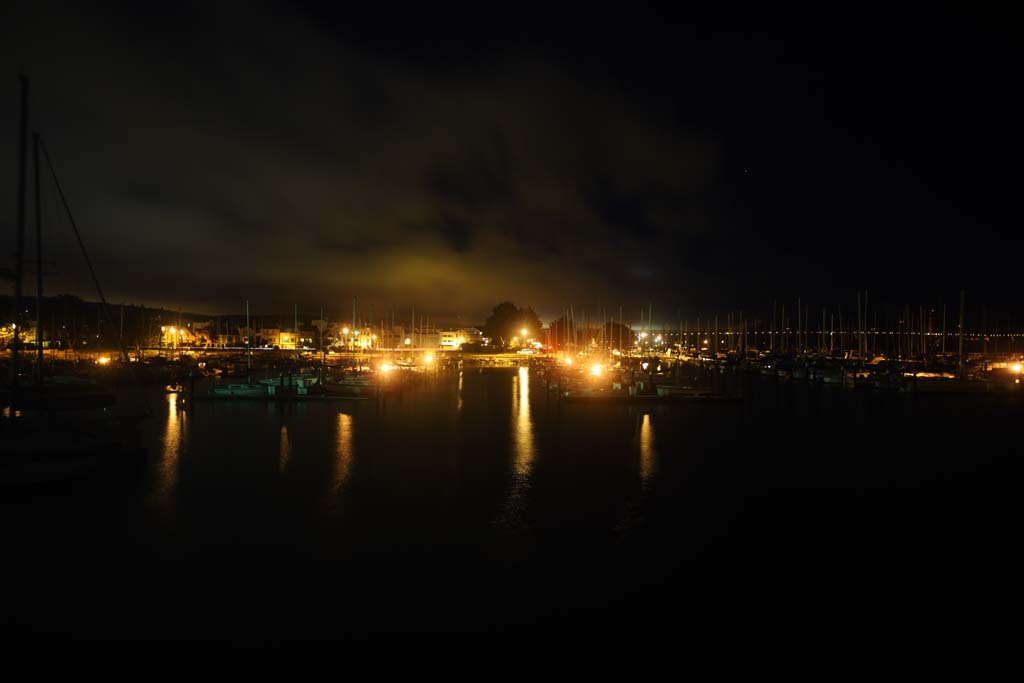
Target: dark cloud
484,178
238,143
221,152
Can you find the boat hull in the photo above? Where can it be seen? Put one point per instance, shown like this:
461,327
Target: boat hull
240,391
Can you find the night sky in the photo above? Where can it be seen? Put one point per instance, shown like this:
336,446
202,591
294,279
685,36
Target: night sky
453,159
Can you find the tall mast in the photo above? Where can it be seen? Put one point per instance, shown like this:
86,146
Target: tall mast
943,329
39,261
963,297
248,343
860,343
19,253
799,324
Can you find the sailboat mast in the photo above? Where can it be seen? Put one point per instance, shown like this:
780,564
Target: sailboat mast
248,342
963,297
39,261
19,253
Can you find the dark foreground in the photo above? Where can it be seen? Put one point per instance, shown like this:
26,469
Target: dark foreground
475,511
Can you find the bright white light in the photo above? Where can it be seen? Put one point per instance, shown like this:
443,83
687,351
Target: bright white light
596,370
408,341
428,359
644,365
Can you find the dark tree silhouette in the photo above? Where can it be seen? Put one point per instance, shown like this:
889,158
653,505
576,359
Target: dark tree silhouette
507,321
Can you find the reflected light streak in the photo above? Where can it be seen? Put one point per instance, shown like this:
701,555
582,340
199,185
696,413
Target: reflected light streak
174,434
286,450
522,465
459,405
647,454
345,452
523,426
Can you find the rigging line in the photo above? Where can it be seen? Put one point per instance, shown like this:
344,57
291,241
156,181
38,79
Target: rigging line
88,263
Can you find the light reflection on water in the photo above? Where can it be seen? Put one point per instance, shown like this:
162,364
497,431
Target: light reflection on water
632,514
524,451
647,451
316,446
286,449
345,452
459,405
523,427
174,436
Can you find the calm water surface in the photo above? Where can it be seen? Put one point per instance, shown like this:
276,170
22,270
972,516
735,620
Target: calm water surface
475,503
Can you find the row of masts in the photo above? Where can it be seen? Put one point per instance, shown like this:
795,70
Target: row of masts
912,333
906,332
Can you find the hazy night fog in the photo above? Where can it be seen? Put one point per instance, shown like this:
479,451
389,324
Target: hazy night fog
297,154
301,154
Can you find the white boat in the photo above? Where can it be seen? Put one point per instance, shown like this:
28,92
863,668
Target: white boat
360,385
240,390
248,389
300,381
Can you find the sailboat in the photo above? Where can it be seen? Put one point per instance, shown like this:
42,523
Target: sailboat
55,429
248,389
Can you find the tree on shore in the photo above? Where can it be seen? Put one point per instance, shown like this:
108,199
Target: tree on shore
507,321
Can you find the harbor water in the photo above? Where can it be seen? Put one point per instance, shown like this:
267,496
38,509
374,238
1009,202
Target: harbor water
477,504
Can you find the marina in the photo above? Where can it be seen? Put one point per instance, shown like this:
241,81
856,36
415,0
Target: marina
624,343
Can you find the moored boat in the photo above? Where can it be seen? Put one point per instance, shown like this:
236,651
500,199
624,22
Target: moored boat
359,385
244,390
